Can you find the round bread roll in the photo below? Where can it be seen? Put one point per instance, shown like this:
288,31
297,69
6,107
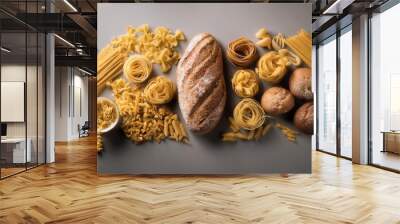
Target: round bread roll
277,100
300,84
304,118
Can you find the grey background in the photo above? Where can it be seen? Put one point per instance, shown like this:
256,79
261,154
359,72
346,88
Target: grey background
205,154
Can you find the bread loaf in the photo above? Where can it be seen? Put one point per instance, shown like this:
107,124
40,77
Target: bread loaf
201,84
277,101
304,118
300,84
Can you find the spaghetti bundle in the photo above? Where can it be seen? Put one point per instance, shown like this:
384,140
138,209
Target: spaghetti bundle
242,52
159,90
249,114
109,66
301,44
272,67
137,69
245,83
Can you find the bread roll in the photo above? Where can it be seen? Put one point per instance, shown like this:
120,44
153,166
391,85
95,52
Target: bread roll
201,84
277,100
304,118
300,84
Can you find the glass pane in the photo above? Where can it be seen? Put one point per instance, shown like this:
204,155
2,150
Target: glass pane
13,87
346,94
41,98
385,115
31,98
327,96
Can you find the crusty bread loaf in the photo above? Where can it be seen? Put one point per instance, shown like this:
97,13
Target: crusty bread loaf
201,84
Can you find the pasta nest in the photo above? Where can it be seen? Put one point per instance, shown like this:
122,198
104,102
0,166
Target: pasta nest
245,83
159,90
272,67
137,69
242,52
249,114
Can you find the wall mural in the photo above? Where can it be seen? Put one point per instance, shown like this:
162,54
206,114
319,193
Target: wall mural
204,88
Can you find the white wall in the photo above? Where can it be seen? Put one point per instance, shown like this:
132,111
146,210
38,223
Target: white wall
70,83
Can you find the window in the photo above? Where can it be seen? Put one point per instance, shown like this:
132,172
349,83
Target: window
346,92
385,89
327,96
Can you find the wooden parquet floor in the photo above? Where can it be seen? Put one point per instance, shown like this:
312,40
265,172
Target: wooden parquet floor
70,191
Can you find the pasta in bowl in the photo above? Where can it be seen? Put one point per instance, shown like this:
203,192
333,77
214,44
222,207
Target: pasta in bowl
107,115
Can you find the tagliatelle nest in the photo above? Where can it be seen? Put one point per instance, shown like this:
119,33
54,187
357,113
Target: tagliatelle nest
242,52
137,69
159,90
245,83
142,121
272,67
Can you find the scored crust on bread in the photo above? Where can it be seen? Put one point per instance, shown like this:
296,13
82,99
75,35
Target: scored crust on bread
201,85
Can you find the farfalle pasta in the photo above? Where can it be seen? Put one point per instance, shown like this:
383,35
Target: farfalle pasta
159,90
272,67
159,46
245,83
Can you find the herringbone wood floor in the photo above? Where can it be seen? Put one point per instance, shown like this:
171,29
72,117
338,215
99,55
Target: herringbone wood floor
70,191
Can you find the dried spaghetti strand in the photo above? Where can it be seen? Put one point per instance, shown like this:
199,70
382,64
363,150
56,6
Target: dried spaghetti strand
249,114
245,83
137,69
159,90
242,52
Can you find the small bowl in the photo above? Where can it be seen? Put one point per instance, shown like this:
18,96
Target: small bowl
115,123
